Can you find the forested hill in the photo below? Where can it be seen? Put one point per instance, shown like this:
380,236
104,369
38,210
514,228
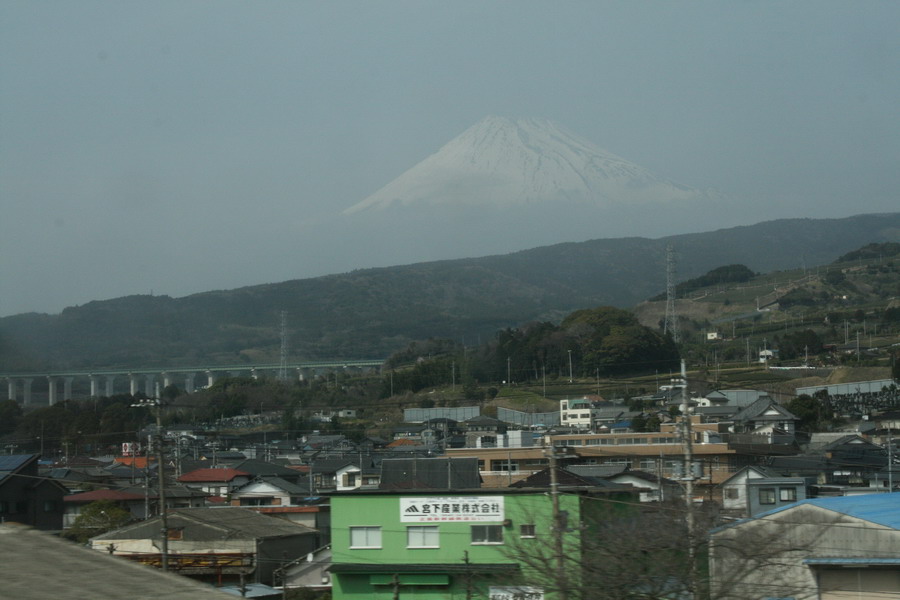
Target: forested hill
371,313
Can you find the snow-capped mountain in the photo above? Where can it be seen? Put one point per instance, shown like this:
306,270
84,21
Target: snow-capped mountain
505,163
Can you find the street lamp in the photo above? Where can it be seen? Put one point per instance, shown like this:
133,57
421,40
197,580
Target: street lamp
164,543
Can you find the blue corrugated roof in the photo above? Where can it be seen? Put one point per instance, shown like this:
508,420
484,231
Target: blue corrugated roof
880,508
852,561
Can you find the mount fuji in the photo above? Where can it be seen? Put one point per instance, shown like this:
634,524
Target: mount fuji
505,185
508,163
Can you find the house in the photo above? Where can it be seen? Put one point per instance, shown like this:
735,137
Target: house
764,416
136,500
268,491
755,489
450,543
483,431
215,545
849,460
215,481
821,548
37,565
27,498
653,488
353,475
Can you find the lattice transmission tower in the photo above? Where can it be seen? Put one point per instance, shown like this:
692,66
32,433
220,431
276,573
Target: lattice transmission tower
671,324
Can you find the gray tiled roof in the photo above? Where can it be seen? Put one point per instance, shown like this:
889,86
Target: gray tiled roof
231,522
37,566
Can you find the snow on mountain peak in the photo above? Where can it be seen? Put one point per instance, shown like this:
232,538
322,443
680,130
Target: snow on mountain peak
503,162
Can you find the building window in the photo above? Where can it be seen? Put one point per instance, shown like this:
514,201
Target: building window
787,494
422,536
487,534
526,531
767,495
731,493
365,537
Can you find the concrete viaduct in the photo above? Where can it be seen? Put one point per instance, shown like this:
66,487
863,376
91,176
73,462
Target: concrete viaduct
103,381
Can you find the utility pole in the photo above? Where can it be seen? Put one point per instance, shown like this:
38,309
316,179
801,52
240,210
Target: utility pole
688,478
452,377
160,471
558,528
570,366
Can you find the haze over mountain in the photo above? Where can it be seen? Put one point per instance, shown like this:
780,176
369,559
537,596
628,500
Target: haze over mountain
177,147
374,312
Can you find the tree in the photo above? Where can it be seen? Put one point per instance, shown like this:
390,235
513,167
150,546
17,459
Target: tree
618,551
97,518
814,414
10,413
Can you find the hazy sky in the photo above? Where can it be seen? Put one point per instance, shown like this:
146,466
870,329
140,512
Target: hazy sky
182,146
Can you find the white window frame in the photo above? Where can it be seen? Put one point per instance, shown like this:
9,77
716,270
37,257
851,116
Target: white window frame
527,530
787,494
371,536
484,540
423,536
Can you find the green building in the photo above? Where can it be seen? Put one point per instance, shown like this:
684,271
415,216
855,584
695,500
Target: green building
496,544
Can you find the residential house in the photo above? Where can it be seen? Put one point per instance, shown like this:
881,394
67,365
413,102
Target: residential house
755,489
483,432
26,497
136,500
764,416
821,548
409,431
358,474
849,460
652,487
268,491
215,481
215,545
37,565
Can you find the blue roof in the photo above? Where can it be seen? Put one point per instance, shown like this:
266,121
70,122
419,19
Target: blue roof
852,561
879,508
10,463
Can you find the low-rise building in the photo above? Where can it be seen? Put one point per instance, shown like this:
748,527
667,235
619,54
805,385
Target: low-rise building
216,545
462,543
821,548
27,498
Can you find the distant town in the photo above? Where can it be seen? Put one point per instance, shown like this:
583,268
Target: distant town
667,494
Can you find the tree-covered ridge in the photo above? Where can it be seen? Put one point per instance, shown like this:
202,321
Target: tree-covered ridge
870,251
718,276
603,341
372,313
